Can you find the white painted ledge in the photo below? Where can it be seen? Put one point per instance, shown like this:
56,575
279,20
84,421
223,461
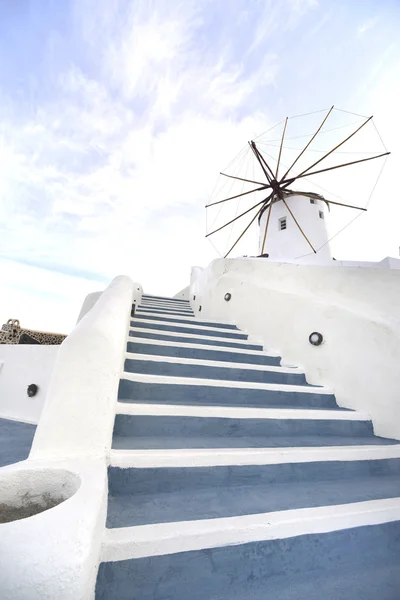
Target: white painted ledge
168,538
213,457
78,414
239,412
248,385
212,363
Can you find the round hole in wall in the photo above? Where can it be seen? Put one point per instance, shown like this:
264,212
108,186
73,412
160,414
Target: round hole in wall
200,308
315,338
194,297
32,390
25,493
227,297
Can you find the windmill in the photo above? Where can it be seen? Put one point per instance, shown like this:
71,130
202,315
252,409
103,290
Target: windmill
278,186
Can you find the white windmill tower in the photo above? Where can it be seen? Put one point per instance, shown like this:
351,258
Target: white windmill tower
292,222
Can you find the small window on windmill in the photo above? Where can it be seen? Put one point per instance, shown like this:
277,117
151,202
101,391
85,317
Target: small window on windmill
312,201
282,223
321,214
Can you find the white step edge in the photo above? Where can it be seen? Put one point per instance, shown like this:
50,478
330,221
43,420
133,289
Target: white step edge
281,387
239,412
148,297
196,335
187,325
214,457
139,340
187,318
164,307
168,538
212,363
165,304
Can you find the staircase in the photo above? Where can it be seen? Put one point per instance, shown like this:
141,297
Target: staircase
231,478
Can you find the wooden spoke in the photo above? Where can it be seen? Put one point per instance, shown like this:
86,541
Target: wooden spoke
354,162
335,148
243,232
264,187
280,149
252,146
236,218
305,148
241,179
346,205
261,159
297,223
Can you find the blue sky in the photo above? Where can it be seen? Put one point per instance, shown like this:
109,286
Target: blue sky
117,115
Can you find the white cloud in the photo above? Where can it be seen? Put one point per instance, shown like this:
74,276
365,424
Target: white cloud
110,172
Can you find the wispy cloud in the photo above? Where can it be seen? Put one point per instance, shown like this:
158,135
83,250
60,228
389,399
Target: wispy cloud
117,116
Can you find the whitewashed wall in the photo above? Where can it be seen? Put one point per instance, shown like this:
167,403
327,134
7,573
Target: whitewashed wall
183,294
290,243
356,309
77,418
21,365
55,554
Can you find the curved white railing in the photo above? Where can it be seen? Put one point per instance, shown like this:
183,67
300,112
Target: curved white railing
78,414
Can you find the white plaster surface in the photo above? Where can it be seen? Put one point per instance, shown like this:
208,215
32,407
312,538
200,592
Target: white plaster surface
54,554
88,304
357,311
166,538
290,243
247,456
24,364
77,418
183,294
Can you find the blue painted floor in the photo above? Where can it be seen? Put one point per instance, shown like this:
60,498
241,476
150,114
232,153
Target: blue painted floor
143,496
353,564
192,330
194,340
211,372
195,395
15,441
148,431
202,354
186,321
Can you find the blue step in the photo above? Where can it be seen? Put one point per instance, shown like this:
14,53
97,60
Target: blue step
164,298
151,431
151,367
15,441
208,395
194,340
191,330
360,563
202,354
162,311
187,321
162,495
